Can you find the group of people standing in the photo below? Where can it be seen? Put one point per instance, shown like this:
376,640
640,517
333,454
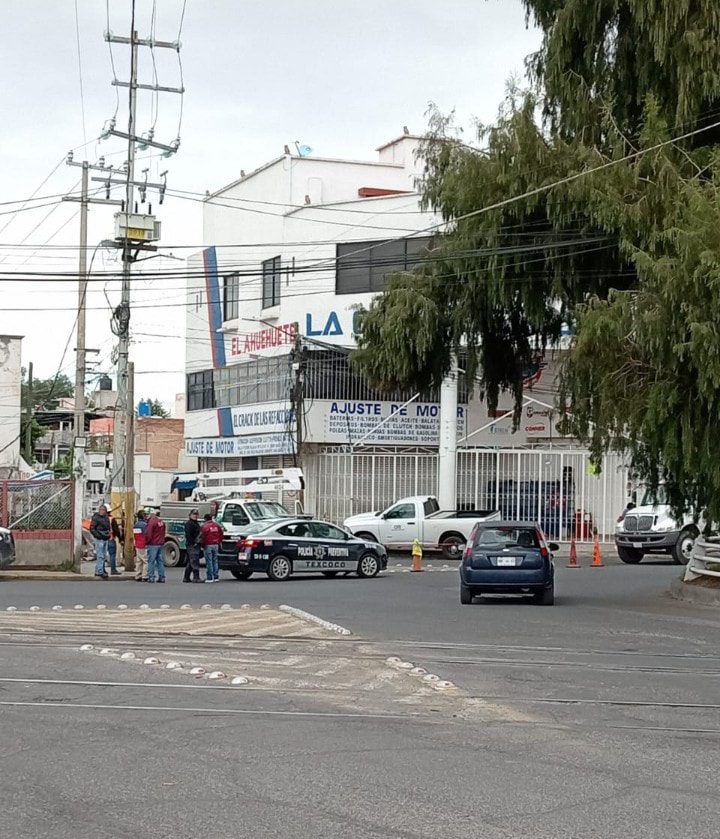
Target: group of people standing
149,540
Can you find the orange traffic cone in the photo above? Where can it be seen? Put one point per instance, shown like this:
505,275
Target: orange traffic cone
417,556
573,554
597,559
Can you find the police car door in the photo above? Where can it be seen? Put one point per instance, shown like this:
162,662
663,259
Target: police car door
335,550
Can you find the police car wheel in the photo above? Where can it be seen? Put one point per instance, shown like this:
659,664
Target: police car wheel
280,568
369,566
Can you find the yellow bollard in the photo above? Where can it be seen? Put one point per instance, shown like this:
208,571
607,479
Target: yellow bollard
417,556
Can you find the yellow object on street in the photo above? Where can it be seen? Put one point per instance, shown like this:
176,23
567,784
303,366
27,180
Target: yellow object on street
417,556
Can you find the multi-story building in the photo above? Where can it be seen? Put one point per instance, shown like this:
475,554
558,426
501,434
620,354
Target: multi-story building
292,249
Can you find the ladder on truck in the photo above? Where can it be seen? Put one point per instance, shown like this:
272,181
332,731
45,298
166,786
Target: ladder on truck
252,483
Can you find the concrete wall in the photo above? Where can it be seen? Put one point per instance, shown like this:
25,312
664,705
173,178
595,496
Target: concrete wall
163,439
10,398
42,553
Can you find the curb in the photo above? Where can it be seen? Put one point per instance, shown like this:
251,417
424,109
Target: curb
60,577
694,594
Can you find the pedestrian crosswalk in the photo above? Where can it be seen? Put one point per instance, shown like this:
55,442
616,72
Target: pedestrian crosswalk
246,622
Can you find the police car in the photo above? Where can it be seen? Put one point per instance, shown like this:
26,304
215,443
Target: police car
302,546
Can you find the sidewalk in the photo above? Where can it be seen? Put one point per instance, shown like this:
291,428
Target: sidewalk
87,574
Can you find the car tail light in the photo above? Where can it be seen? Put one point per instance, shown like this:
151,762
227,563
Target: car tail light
544,552
248,543
467,553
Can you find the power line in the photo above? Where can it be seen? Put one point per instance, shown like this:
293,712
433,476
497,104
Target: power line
80,74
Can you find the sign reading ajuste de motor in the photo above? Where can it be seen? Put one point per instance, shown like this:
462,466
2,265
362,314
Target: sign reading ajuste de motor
248,446
348,421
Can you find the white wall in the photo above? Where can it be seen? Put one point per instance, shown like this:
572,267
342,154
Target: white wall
10,400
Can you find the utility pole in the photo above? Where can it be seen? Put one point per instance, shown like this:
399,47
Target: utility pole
134,232
298,402
80,440
447,448
29,418
129,545
121,489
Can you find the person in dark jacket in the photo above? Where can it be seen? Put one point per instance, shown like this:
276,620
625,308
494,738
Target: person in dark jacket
101,531
192,547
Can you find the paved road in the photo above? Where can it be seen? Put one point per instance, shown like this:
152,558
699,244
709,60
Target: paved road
596,718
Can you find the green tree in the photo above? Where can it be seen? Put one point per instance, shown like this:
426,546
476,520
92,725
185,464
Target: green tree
157,409
626,254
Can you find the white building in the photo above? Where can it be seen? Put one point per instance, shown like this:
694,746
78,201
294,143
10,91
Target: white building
11,464
292,249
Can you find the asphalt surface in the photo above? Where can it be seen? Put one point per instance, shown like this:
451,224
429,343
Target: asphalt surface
598,717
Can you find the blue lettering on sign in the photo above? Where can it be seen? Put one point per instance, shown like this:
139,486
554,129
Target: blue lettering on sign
358,408
428,410
332,326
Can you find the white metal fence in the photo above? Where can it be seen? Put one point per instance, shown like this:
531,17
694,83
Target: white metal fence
556,487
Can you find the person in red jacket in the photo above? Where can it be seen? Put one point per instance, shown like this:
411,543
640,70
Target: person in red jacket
211,536
155,541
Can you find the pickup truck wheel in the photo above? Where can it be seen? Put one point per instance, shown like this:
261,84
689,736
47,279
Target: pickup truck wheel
366,537
172,555
682,549
453,544
241,573
631,556
368,566
466,595
280,568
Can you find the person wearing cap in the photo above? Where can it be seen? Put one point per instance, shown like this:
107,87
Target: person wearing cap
192,547
141,556
211,536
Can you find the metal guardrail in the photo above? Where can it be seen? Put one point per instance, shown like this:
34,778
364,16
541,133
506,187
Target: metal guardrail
705,559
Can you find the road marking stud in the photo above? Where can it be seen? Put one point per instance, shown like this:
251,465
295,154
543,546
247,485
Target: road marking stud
57,608
443,685
173,665
127,656
226,606
34,608
122,606
393,659
186,606
86,648
78,606
11,609
239,680
143,606
151,660
206,606
431,677
164,606
106,651
418,671
216,674
101,606
197,671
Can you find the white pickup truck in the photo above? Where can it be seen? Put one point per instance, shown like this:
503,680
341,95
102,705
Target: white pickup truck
419,517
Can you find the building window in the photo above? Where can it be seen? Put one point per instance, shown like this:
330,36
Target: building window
271,282
231,297
200,392
362,266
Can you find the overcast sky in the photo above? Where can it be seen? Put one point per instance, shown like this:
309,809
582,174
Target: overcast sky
342,76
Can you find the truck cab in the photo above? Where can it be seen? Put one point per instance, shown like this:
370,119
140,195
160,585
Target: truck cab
651,528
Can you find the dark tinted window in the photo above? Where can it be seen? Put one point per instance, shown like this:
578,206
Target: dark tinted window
362,266
431,506
271,282
322,530
295,529
507,537
200,391
231,297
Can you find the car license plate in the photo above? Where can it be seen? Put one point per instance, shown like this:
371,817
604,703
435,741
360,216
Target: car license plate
507,561
243,556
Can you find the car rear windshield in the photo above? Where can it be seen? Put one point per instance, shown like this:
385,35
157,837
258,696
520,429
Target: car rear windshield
507,537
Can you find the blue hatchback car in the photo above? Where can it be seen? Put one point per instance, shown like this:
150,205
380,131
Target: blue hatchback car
508,557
